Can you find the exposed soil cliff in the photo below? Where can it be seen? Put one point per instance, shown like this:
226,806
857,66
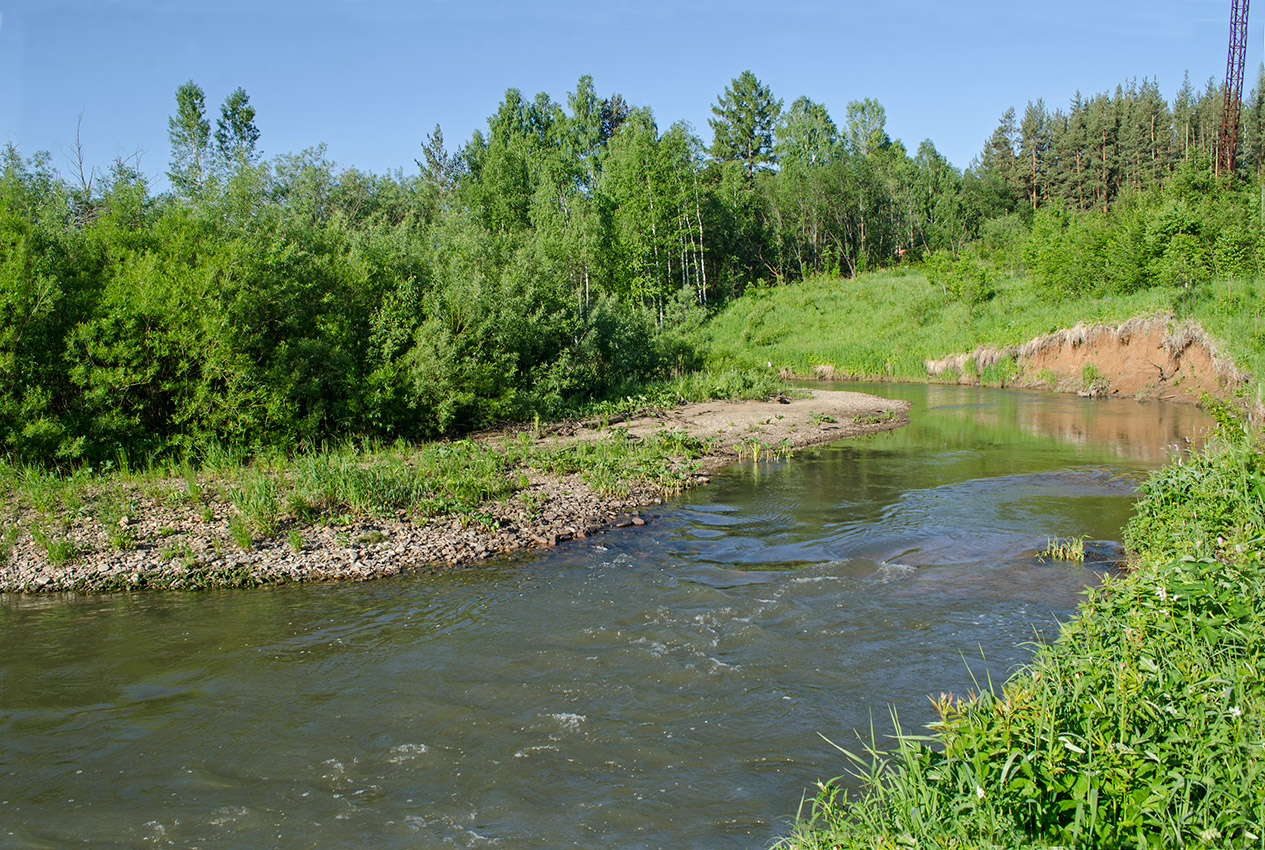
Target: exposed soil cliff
1151,357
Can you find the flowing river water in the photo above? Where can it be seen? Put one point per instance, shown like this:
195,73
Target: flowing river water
670,686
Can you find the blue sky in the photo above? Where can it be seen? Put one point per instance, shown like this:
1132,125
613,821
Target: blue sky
370,78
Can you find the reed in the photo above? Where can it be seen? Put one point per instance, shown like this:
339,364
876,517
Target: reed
1064,549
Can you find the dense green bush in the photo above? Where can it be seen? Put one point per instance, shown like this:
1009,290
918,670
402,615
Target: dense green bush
287,306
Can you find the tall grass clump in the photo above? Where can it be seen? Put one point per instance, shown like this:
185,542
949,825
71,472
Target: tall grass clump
431,479
1141,725
612,464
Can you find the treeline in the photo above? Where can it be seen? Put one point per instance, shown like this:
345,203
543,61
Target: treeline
1112,144
287,303
560,256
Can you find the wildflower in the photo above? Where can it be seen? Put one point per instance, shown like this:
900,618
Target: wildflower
979,792
1162,593
1235,711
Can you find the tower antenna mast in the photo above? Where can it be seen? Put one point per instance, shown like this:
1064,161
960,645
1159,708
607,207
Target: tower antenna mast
1228,141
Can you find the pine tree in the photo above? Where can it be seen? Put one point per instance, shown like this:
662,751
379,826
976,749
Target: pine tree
997,163
1254,126
1034,151
1184,117
743,127
1102,126
1158,130
1071,150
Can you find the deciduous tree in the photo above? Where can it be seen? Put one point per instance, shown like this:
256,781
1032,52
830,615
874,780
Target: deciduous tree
190,136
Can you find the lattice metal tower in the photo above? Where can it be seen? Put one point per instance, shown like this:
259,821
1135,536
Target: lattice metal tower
1228,141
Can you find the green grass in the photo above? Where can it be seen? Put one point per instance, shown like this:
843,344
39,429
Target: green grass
1142,725
58,548
1233,312
612,464
703,385
887,324
270,495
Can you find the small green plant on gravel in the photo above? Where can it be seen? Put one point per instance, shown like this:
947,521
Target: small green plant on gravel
59,548
239,528
874,418
371,537
7,541
480,519
754,449
116,520
180,552
296,540
822,418
749,449
1064,549
121,537
255,497
531,502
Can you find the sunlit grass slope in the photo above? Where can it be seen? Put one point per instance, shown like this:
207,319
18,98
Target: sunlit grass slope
887,324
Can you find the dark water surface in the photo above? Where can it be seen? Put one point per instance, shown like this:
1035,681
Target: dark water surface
657,687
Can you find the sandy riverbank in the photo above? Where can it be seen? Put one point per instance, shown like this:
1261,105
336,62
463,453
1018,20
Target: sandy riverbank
177,543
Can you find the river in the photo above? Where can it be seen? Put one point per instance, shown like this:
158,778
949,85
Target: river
668,686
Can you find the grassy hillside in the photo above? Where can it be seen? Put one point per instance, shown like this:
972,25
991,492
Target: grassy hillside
887,324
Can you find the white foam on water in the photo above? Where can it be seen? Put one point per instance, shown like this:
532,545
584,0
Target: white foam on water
889,571
816,579
569,722
527,751
228,815
407,752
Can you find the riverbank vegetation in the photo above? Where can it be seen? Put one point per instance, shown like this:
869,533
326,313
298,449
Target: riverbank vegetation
568,253
1141,725
265,493
241,503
